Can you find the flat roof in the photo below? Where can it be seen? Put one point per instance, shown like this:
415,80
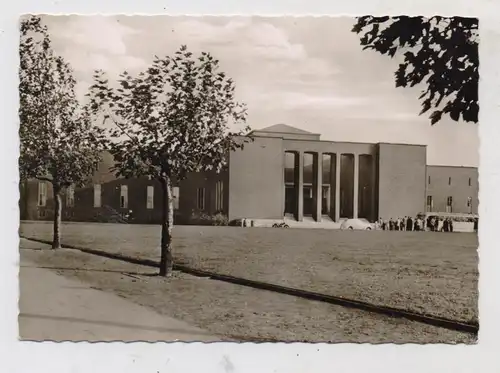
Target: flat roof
336,142
443,165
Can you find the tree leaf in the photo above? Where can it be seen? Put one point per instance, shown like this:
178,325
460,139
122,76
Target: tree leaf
449,70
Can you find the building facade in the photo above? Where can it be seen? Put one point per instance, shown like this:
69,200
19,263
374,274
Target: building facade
283,172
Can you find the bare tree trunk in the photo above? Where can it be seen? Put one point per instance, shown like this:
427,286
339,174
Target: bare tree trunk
56,241
167,223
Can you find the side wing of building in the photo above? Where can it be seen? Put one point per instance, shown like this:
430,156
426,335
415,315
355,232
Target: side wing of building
109,199
104,199
452,189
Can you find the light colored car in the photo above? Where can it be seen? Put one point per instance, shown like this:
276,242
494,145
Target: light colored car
357,224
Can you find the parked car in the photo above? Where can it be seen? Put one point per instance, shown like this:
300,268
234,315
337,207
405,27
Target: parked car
280,225
357,224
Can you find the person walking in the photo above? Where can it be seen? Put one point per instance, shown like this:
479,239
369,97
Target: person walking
409,224
439,224
380,223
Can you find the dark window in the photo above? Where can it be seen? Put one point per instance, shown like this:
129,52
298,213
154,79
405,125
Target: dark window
175,193
42,194
150,192
219,196
70,196
97,195
200,202
470,181
449,181
429,180
325,191
429,203
308,168
449,204
290,159
124,197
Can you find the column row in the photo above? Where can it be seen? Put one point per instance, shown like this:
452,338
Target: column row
327,190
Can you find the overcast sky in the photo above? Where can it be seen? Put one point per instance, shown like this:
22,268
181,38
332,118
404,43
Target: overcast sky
309,73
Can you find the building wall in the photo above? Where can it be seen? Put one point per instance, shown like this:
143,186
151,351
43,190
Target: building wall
256,180
188,201
84,210
28,204
253,185
401,180
440,187
329,147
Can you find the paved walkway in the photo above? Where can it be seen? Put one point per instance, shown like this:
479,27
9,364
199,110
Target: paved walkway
58,309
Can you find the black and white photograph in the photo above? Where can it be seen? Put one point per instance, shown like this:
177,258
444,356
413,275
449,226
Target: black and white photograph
249,178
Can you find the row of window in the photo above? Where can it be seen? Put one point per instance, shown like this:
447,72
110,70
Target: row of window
449,180
219,197
200,200
449,203
70,196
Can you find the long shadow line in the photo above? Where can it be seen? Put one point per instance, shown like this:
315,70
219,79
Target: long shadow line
472,328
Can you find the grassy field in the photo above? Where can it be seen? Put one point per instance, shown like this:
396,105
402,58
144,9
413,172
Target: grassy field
434,273
233,312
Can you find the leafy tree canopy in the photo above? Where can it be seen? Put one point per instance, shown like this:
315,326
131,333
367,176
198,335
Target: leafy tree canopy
440,52
58,141
171,119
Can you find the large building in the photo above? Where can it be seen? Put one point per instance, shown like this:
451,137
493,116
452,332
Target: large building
283,172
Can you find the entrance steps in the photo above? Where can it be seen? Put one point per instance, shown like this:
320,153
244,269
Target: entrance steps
307,223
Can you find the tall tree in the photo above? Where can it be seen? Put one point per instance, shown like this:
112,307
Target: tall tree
172,119
440,52
59,144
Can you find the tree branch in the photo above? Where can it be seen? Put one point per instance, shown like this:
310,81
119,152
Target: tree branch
121,128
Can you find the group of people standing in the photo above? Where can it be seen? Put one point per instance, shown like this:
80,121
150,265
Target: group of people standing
432,223
401,224
436,224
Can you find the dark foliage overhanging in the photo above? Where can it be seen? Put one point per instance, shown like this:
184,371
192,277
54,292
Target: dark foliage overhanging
440,52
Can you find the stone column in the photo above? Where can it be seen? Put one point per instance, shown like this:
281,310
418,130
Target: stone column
355,199
331,193
317,185
299,185
373,188
338,156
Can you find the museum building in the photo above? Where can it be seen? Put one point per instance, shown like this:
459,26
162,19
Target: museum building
283,172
